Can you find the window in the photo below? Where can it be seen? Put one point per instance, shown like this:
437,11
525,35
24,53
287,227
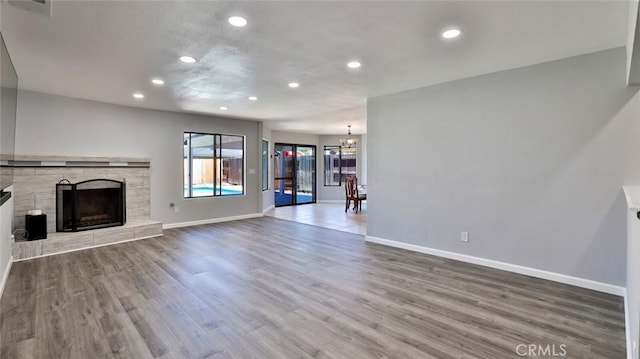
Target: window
213,165
265,165
347,163
338,163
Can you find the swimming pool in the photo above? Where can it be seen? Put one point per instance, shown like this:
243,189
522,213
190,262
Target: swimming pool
208,191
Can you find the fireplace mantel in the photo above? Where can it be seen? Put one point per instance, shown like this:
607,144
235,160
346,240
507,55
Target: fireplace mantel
36,176
35,179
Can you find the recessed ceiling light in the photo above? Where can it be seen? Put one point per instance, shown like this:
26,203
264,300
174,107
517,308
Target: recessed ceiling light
187,59
238,21
223,108
157,82
451,33
294,84
354,64
253,98
138,95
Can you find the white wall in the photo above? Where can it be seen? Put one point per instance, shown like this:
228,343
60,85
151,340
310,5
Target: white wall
633,278
530,161
6,219
57,125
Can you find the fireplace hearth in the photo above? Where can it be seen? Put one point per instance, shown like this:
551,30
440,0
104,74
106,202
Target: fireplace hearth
92,204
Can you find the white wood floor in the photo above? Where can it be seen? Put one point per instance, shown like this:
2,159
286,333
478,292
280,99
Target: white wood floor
326,215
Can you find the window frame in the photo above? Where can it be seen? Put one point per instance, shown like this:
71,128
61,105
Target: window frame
265,165
217,172
324,154
341,175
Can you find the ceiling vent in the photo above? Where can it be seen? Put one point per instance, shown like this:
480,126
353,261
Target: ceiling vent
42,7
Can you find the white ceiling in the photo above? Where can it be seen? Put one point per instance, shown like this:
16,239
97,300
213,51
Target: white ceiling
106,50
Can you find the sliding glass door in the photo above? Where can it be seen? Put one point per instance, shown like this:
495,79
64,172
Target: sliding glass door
294,174
305,174
283,175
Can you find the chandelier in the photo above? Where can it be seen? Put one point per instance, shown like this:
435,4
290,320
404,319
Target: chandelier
348,142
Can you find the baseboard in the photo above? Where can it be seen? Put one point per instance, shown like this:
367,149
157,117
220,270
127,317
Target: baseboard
532,272
268,209
210,221
332,201
85,248
5,276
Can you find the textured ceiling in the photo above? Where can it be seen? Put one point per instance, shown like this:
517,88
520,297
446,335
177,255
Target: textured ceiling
106,50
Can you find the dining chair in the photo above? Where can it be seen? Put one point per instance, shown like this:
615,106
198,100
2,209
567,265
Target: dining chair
351,194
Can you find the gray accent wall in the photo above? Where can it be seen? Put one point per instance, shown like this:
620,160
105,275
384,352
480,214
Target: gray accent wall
529,161
268,196
295,138
57,125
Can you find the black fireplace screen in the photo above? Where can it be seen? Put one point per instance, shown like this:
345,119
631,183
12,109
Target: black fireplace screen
90,204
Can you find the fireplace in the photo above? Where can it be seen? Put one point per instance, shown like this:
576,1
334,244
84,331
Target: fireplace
92,204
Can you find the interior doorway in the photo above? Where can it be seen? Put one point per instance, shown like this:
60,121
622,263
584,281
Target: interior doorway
294,174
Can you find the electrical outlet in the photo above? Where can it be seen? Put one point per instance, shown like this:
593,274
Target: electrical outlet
176,209
464,236
635,349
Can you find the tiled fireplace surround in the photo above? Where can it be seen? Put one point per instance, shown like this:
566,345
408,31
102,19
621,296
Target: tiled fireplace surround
35,179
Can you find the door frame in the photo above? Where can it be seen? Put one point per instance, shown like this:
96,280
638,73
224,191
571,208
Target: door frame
294,179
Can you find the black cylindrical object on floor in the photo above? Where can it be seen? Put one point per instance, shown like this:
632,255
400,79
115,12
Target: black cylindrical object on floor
36,226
